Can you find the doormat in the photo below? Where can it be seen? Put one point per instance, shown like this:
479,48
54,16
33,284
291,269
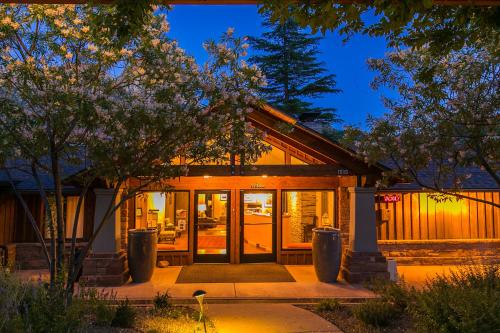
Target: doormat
229,273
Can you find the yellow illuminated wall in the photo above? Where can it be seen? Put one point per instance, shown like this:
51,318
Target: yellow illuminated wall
419,216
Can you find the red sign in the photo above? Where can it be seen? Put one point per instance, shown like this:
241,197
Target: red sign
389,198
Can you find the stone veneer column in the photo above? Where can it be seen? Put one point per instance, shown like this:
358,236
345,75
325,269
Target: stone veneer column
344,216
106,265
363,260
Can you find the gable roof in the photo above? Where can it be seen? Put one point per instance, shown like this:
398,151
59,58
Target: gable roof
273,121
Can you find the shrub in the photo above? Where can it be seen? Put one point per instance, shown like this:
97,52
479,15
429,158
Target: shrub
396,293
97,304
468,300
12,293
161,302
331,304
124,315
376,312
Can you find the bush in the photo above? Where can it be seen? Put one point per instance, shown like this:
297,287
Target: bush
161,302
395,293
35,307
124,316
376,312
13,293
468,300
331,304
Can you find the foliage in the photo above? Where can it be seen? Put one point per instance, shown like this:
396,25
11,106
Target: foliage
288,57
445,116
468,300
161,302
125,315
376,312
398,293
76,101
13,292
415,23
331,304
34,307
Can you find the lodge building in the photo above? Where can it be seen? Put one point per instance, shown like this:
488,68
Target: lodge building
265,212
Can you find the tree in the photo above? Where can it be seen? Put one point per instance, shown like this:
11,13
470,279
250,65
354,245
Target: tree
441,28
71,96
288,57
448,120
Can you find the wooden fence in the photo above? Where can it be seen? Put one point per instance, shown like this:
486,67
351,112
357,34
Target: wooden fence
417,216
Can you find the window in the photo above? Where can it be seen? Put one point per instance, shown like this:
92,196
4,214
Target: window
296,161
275,156
71,204
301,212
169,213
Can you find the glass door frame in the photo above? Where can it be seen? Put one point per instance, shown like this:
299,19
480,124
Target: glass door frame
212,258
264,257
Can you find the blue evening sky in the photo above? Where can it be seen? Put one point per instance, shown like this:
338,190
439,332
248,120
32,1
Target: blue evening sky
191,25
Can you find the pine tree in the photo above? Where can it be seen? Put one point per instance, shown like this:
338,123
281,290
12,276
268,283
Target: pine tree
288,57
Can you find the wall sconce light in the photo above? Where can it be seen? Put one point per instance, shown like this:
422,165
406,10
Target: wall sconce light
264,176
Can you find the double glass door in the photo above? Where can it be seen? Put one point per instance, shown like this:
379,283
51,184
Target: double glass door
258,226
211,226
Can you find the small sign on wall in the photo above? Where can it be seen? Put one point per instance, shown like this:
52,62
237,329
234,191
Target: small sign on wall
386,198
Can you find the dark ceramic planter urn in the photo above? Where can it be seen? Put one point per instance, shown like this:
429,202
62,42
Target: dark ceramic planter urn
326,251
142,253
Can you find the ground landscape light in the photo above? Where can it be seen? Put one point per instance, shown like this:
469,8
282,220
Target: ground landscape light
199,295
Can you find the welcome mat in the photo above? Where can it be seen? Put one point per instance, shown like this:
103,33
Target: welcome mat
230,273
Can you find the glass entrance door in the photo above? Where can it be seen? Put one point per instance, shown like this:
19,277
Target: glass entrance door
258,226
211,226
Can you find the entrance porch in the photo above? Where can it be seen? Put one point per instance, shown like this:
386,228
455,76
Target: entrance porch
306,288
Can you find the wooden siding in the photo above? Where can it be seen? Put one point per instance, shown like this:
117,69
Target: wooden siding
7,216
23,229
416,216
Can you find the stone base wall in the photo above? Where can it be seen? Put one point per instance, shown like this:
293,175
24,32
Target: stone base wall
359,267
30,255
105,269
442,252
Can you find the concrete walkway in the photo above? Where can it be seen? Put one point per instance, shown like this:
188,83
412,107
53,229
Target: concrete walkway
307,288
268,318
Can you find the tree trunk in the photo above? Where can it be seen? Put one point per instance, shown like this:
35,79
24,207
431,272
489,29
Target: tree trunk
59,209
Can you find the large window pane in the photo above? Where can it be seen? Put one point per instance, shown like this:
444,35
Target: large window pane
71,203
275,156
167,211
301,212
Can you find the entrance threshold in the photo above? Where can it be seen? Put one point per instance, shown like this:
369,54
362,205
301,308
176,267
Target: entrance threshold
234,273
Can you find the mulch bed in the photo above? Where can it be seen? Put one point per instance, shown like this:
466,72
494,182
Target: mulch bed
346,322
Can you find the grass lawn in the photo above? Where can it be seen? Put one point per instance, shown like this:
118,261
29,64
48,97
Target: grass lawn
344,319
176,319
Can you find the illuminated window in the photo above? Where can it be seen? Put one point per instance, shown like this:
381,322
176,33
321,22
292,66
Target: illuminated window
275,156
169,213
71,203
296,161
301,212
